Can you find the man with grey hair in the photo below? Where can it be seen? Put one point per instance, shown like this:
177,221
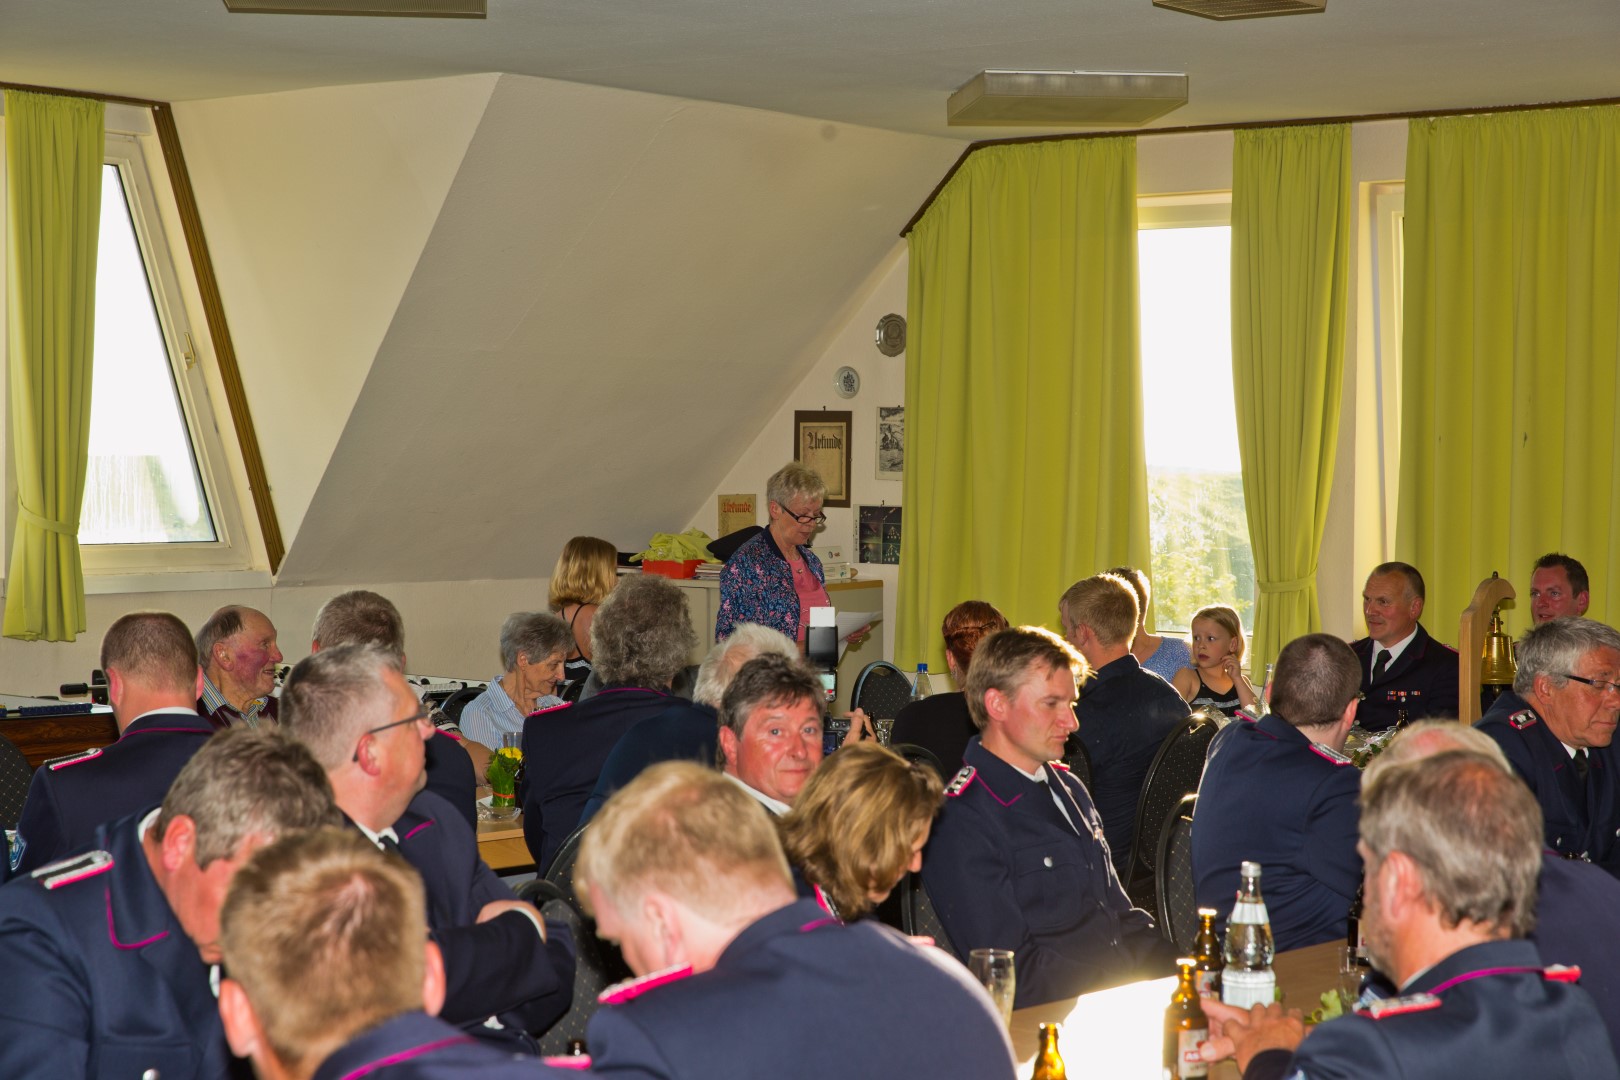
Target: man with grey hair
1452,846
237,650
108,951
534,645
687,731
640,638
1559,734
507,972
770,729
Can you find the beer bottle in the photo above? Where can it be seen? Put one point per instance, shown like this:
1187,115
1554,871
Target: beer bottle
1207,954
1185,1026
1353,937
1247,978
1049,1063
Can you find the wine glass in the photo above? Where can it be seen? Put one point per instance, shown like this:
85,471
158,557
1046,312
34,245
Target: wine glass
994,970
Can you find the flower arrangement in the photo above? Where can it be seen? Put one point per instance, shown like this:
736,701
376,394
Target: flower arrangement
505,766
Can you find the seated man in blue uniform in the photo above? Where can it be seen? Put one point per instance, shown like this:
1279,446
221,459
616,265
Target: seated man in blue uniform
1124,712
1559,734
1404,671
1018,858
455,766
640,640
331,973
1281,792
1452,845
738,979
509,974
153,683
107,952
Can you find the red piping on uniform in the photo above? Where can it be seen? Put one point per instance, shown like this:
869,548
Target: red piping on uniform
406,1055
112,934
993,795
419,828
1453,981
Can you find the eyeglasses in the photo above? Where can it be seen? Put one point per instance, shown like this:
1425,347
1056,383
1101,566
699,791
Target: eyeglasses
804,519
421,717
1600,685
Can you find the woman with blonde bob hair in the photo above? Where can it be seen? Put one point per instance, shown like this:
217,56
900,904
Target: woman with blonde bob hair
585,573
860,825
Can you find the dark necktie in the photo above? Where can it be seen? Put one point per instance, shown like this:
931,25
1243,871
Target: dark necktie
1379,664
1581,769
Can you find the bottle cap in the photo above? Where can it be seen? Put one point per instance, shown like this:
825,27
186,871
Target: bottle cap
1186,963
923,668
1250,869
1207,913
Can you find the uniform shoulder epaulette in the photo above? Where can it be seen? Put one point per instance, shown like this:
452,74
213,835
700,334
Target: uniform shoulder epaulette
1522,719
72,759
1060,766
552,709
630,989
1386,1007
1330,754
960,781
1564,973
67,871
581,1062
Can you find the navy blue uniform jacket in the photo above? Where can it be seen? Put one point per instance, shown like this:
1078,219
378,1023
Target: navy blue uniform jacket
1004,869
1578,924
686,731
1124,715
69,797
1271,796
1484,1011
1574,826
418,1047
1422,680
495,968
563,752
799,994
450,775
100,978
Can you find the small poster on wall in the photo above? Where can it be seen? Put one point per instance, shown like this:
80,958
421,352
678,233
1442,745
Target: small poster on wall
736,512
880,534
891,441
821,441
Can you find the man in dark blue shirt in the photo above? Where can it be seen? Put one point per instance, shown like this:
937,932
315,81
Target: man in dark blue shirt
1124,712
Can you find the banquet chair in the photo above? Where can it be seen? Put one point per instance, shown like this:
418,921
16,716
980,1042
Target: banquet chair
1176,770
453,705
14,779
913,752
598,964
1173,878
917,915
881,689
1078,761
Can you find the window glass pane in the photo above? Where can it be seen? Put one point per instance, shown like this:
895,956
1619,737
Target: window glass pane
143,486
1201,552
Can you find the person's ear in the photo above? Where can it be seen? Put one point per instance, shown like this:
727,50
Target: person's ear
995,704
433,989
115,686
243,1032
199,682
728,746
179,843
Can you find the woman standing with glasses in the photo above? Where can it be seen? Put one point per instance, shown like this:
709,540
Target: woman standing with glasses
775,579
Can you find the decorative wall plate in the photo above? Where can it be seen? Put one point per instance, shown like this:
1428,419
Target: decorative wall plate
891,334
847,381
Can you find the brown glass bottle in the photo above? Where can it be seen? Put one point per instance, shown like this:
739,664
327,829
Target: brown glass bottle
1185,1026
1207,962
1049,1063
1353,934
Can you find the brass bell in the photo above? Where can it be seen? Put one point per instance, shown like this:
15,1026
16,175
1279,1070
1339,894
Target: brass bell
1497,668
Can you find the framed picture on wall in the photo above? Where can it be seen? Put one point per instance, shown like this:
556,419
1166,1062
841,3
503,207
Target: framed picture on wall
821,441
891,441
878,534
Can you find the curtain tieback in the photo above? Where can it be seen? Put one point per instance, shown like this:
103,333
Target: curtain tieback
61,528
1296,585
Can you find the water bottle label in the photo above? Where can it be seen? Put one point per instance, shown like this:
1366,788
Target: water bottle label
1245,988
1250,913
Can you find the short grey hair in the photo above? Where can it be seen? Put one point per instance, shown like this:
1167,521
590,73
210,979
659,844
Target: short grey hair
642,634
1422,738
747,641
766,680
246,782
1556,646
360,617
221,626
1473,831
535,634
795,479
334,696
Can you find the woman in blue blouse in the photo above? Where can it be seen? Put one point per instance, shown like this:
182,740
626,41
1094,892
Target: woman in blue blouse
775,579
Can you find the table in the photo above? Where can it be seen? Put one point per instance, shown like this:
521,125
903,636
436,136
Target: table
501,845
1119,1032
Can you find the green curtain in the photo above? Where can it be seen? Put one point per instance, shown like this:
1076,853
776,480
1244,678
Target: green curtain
54,152
1290,266
1024,464
1509,350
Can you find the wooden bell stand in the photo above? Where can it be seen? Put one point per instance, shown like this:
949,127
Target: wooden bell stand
1476,623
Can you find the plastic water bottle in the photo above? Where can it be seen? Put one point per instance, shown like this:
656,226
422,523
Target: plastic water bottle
920,687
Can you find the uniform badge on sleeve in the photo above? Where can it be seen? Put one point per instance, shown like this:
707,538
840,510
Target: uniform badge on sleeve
960,781
1522,719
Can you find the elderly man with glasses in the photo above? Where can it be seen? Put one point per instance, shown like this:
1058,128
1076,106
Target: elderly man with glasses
1559,733
508,974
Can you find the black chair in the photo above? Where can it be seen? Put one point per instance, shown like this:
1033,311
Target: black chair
917,914
1175,772
881,689
1078,761
15,776
1173,878
456,702
913,752
598,964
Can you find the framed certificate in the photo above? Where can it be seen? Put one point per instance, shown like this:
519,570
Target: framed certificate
821,441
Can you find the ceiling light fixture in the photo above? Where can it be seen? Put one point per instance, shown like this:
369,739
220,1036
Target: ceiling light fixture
1226,10
1054,98
421,9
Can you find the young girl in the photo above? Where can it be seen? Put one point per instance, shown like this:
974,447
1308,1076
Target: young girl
1216,678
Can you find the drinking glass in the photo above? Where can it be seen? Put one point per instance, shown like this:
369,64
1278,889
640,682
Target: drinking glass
1351,970
994,969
